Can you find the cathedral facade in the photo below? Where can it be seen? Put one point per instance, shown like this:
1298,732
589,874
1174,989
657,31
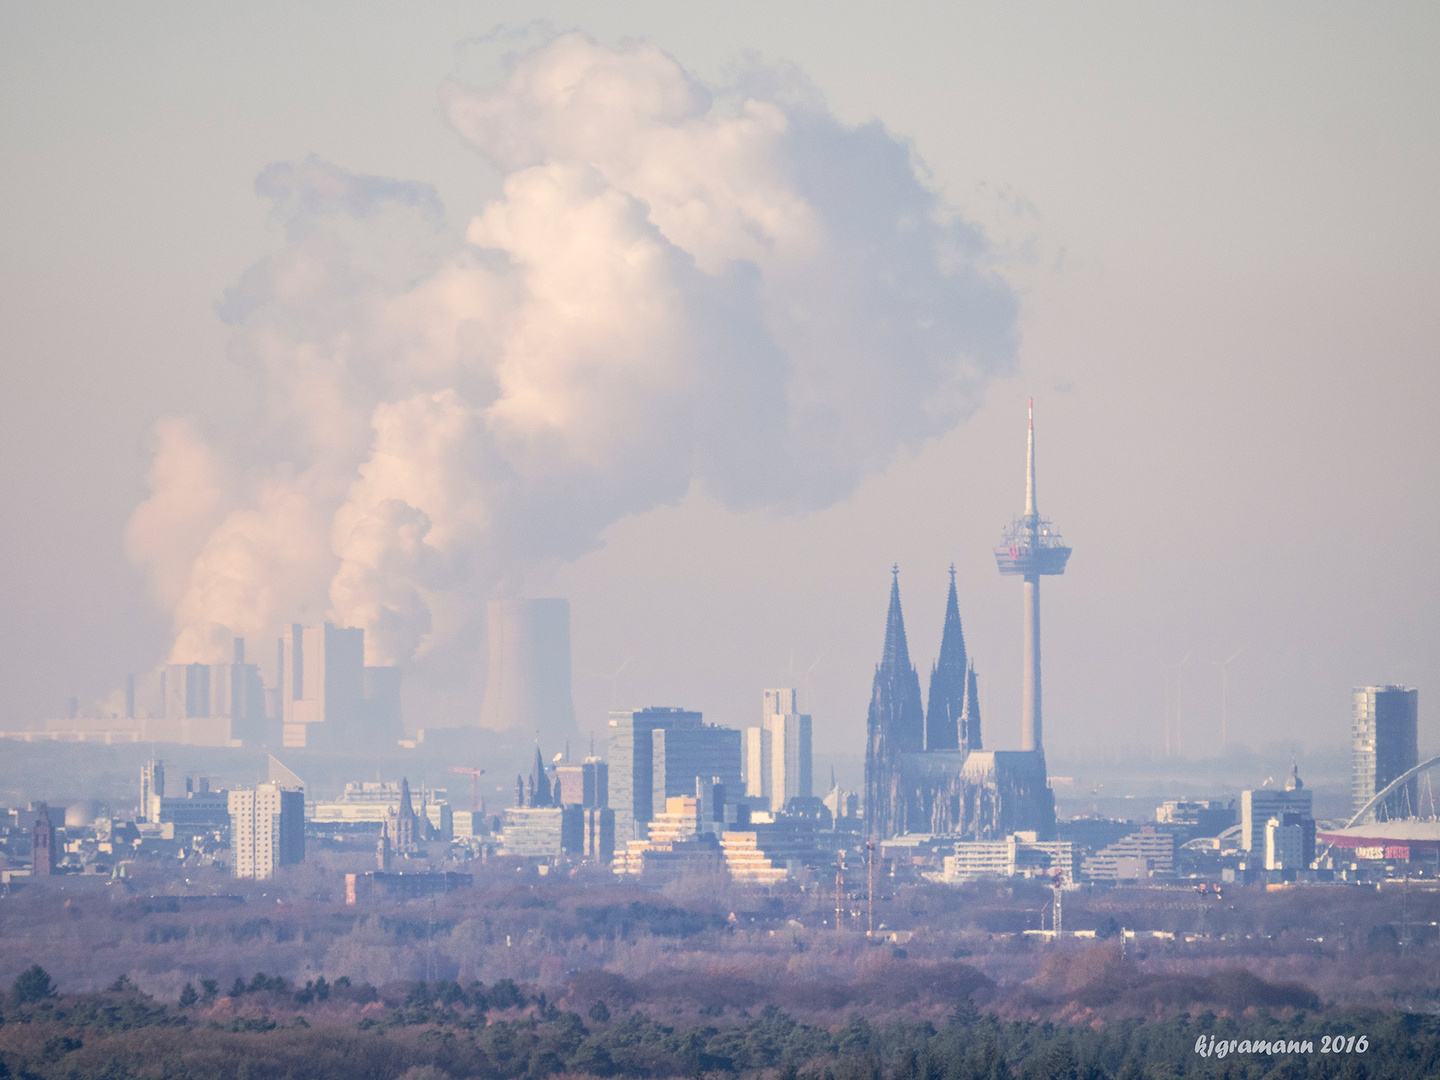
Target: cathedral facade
925,767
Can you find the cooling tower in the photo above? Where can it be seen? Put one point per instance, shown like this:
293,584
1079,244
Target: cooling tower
528,686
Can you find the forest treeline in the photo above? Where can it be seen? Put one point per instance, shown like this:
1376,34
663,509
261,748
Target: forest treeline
268,1027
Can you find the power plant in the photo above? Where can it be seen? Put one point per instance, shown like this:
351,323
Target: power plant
527,687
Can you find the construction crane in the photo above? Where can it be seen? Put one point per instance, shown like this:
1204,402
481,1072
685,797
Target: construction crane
475,775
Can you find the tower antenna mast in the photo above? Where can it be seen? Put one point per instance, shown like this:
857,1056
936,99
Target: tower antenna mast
1031,548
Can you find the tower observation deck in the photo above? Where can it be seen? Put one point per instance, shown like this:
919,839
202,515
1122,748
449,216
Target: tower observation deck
1030,548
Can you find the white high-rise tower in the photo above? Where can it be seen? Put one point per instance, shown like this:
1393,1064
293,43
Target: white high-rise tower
777,753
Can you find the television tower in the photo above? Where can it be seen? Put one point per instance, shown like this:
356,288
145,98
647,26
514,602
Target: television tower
1030,548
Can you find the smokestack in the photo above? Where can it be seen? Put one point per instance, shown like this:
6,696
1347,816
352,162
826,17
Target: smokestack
130,697
528,686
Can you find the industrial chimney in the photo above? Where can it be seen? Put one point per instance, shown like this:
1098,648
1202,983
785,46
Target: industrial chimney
528,686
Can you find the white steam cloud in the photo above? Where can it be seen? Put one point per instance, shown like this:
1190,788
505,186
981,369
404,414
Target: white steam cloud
678,286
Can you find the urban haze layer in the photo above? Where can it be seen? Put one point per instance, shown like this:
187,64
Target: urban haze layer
650,904
450,586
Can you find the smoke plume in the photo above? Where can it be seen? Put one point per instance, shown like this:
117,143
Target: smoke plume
679,285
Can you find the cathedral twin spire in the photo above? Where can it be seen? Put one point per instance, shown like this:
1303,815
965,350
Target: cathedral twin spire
895,726
897,685
946,726
952,716
899,724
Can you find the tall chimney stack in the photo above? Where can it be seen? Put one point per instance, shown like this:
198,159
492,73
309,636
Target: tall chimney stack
528,684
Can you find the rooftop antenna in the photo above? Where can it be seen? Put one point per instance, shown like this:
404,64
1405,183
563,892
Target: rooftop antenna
1030,510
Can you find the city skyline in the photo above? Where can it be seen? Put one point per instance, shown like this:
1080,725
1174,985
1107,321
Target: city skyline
521,540
1276,436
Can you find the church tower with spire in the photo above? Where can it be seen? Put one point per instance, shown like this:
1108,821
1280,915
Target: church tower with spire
970,712
539,788
895,726
944,726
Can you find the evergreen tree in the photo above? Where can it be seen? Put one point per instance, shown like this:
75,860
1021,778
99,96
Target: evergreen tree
33,984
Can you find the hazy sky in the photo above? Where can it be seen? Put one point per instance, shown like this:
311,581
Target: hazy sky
1218,223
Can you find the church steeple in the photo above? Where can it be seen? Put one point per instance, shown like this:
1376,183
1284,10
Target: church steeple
947,682
970,712
539,782
897,652
896,724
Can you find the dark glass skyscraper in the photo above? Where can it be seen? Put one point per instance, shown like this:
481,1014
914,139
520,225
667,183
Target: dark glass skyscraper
632,764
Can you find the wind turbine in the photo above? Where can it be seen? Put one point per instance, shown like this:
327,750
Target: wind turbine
614,680
1224,666
1179,669
804,679
809,703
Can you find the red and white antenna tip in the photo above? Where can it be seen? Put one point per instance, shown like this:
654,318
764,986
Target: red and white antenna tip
1032,414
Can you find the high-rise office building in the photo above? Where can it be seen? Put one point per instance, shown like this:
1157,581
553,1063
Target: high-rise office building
1258,806
755,762
632,774
777,758
1289,841
1385,744
599,834
679,756
152,789
267,830
546,831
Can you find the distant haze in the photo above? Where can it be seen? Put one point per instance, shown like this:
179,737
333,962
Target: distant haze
703,321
